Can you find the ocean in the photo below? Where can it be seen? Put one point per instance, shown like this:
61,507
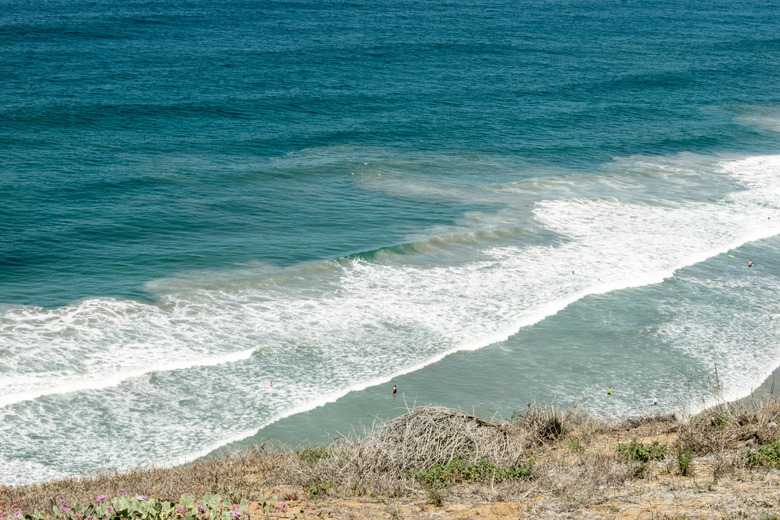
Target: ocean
231,221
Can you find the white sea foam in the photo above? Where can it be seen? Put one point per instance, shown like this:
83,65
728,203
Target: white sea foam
19,472
100,343
742,345
324,329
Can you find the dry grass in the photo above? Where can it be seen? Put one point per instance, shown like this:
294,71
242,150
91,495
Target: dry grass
729,425
238,474
381,461
577,471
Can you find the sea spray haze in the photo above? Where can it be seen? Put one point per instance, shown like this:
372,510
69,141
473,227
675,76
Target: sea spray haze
485,203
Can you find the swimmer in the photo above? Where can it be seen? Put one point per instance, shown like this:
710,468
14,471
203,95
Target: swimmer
609,391
750,263
395,390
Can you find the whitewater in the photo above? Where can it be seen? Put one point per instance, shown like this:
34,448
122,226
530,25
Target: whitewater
228,222
172,379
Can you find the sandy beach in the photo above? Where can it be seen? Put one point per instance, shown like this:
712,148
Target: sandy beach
769,388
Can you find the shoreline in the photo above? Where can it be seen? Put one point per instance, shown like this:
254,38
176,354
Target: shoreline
769,388
455,466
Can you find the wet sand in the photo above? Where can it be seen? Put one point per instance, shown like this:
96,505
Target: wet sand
769,388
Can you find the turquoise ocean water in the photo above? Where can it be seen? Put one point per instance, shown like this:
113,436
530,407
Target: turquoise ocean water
483,202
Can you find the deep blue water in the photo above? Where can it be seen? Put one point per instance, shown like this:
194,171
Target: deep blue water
338,194
138,138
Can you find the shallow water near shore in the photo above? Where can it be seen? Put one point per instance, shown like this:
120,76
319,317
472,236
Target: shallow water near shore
486,205
642,343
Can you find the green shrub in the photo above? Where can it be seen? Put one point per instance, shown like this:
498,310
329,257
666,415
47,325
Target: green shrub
125,507
642,453
684,461
641,470
311,454
320,488
767,455
435,498
442,475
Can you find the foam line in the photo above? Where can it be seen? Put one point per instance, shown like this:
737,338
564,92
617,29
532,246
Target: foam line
80,384
356,323
548,310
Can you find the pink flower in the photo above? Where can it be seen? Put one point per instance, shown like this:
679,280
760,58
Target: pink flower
17,515
282,506
122,491
142,497
201,509
100,498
